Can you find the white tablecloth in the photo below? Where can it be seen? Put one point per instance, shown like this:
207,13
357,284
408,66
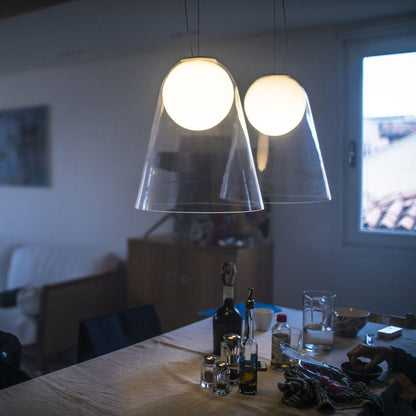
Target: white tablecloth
160,376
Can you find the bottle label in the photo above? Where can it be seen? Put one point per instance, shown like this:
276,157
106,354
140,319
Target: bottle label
228,292
252,364
277,356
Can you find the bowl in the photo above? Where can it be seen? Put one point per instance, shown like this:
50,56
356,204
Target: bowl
348,321
357,376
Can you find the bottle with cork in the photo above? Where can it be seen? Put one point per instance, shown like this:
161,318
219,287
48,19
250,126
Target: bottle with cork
226,319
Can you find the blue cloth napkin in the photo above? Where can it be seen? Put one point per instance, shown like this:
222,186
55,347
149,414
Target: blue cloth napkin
241,308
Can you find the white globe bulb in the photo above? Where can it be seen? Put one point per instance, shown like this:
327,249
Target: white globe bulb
275,104
198,93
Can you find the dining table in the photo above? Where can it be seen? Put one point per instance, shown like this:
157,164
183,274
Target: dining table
161,376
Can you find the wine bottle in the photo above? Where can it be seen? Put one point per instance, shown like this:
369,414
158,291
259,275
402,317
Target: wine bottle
226,319
249,351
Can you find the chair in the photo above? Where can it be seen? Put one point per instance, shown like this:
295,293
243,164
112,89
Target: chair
10,349
408,321
10,355
103,334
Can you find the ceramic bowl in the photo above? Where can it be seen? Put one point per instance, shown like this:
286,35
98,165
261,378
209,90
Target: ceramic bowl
356,376
348,321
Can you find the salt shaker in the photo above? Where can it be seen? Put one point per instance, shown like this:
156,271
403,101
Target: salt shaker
221,378
207,374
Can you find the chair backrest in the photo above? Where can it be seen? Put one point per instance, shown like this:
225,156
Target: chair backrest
104,334
100,335
140,323
408,321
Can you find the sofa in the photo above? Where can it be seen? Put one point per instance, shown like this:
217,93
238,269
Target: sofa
46,290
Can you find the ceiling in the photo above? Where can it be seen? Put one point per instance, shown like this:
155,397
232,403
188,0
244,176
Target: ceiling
38,33
10,8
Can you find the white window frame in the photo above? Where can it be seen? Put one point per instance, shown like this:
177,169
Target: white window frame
357,45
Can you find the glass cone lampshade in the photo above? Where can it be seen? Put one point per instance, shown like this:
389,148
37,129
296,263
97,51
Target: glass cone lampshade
286,149
199,158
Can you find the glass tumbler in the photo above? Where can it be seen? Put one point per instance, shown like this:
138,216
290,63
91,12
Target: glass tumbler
318,320
207,371
230,353
221,378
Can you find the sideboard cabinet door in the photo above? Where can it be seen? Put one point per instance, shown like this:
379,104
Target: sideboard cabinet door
182,280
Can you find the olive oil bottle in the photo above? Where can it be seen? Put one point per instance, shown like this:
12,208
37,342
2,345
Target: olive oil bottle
249,351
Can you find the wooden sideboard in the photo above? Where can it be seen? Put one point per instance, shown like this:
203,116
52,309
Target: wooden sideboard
182,279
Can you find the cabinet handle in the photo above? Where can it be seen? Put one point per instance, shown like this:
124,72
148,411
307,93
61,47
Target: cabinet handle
171,278
184,279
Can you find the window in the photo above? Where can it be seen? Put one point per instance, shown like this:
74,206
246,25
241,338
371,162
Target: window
388,191
379,198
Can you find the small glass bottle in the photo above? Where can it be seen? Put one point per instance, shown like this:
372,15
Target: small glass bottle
280,333
249,352
221,378
226,319
207,371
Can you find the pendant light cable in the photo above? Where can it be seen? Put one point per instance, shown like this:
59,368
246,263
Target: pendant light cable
276,37
187,27
286,38
197,28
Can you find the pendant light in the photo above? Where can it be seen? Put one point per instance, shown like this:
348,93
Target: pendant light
199,158
275,104
289,163
193,104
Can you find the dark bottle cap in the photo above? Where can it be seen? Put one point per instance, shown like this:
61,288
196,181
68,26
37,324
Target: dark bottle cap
228,272
221,365
250,301
209,359
281,317
231,340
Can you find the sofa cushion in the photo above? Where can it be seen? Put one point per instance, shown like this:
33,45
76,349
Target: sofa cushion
16,322
5,254
38,265
29,300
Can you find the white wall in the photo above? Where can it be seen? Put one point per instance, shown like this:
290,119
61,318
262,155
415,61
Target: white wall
101,115
100,119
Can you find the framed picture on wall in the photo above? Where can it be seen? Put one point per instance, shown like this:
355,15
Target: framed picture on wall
24,146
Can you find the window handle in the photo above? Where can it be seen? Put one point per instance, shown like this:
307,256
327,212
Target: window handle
352,154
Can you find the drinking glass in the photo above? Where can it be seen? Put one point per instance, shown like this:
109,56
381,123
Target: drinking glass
207,371
318,320
221,378
263,317
296,338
